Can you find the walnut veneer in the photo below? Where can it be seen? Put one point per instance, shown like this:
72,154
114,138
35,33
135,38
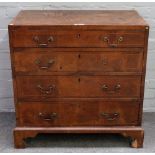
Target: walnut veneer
78,72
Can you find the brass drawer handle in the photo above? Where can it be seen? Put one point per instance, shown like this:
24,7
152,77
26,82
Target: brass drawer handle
50,39
42,45
110,116
47,66
46,91
48,117
106,39
120,39
115,89
37,40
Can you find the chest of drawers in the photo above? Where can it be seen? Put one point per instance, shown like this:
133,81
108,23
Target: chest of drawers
78,72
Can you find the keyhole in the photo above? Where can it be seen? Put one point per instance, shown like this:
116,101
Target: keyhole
104,61
79,56
79,79
78,35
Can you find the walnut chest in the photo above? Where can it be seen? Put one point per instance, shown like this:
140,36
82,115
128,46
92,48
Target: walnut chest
78,72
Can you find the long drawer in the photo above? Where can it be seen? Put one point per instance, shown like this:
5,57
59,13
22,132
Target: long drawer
73,38
82,113
41,87
46,61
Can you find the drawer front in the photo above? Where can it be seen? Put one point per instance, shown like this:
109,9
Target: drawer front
46,87
41,38
80,113
46,61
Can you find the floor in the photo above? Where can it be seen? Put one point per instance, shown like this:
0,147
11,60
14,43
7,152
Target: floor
75,143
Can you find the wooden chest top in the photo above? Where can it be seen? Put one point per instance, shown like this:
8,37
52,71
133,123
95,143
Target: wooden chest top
70,18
